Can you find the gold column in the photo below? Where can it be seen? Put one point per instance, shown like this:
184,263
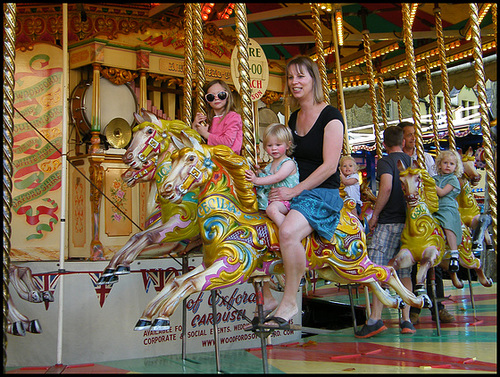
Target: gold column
373,96
444,78
485,125
398,98
249,149
143,89
381,96
9,65
412,73
187,114
435,130
199,58
95,130
318,37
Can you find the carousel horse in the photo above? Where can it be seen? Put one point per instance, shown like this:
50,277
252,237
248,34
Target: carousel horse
169,225
467,204
21,279
423,239
240,242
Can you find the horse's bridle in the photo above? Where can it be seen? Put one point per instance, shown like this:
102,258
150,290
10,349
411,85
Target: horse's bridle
152,144
194,175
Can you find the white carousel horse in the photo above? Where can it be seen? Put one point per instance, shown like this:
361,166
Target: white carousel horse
423,238
21,279
240,242
149,159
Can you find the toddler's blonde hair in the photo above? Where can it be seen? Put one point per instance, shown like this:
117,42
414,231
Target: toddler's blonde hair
459,170
282,133
349,158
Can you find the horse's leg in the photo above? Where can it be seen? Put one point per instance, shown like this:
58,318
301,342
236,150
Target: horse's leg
469,260
185,288
22,280
479,224
154,305
18,320
384,296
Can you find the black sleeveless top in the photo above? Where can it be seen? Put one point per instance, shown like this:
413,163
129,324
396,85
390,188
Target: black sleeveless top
309,148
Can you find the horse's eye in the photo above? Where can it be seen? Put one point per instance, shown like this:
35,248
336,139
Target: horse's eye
191,158
150,131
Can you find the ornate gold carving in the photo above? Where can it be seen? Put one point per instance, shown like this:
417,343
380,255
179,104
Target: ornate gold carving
270,97
118,76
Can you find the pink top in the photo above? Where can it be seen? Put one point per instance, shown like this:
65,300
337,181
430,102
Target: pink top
227,131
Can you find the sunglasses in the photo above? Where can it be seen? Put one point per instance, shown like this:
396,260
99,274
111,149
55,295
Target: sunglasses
210,97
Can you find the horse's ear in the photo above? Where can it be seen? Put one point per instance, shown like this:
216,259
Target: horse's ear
414,164
401,165
178,143
139,119
192,142
470,152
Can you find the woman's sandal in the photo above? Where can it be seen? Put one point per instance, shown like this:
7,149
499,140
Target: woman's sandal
255,321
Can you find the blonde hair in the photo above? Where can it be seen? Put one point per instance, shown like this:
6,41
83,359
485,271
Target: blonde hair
459,170
282,133
305,63
349,158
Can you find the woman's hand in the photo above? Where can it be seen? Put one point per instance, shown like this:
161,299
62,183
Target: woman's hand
281,193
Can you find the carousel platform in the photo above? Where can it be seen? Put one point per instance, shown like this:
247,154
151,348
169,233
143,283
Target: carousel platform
468,345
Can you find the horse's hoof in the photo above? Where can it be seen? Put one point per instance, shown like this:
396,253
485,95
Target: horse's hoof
487,282
108,272
401,304
18,329
48,296
427,302
160,324
35,296
34,327
454,266
142,324
108,280
122,270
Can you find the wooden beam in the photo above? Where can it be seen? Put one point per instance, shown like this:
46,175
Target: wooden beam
159,9
267,15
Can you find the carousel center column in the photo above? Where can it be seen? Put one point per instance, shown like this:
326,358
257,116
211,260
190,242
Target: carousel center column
96,157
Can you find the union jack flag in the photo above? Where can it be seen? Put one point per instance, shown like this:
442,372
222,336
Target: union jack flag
157,277
102,291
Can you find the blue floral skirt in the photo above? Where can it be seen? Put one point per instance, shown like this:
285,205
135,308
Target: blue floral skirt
321,207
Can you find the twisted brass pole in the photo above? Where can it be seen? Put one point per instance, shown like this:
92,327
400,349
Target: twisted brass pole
494,19
318,37
435,130
188,62
412,73
373,95
444,78
9,65
485,125
398,98
199,58
249,150
381,96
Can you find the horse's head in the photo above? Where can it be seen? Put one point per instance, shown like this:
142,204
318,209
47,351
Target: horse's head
470,171
411,183
191,167
418,186
366,192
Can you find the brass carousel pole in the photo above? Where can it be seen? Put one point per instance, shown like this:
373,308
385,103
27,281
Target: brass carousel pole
318,37
398,98
199,58
188,63
249,150
9,65
412,73
444,78
381,96
485,125
373,95
435,130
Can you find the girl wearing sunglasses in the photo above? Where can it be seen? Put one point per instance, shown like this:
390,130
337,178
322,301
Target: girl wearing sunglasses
222,125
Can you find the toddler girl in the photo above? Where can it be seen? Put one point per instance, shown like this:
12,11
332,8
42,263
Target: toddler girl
224,123
350,178
449,168
282,171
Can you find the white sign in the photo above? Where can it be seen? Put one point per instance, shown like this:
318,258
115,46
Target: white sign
259,70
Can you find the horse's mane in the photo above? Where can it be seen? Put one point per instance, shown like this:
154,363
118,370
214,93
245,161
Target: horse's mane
236,166
175,126
429,193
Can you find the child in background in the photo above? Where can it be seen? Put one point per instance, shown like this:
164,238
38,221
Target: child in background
449,168
282,171
350,178
225,126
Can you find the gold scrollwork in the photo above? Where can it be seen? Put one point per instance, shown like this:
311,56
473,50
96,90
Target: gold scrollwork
118,76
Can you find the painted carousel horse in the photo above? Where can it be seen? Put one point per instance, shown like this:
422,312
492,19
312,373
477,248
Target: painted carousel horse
240,242
467,204
21,279
423,239
169,225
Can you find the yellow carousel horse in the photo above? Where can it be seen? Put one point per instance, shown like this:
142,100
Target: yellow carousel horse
423,239
170,225
240,242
